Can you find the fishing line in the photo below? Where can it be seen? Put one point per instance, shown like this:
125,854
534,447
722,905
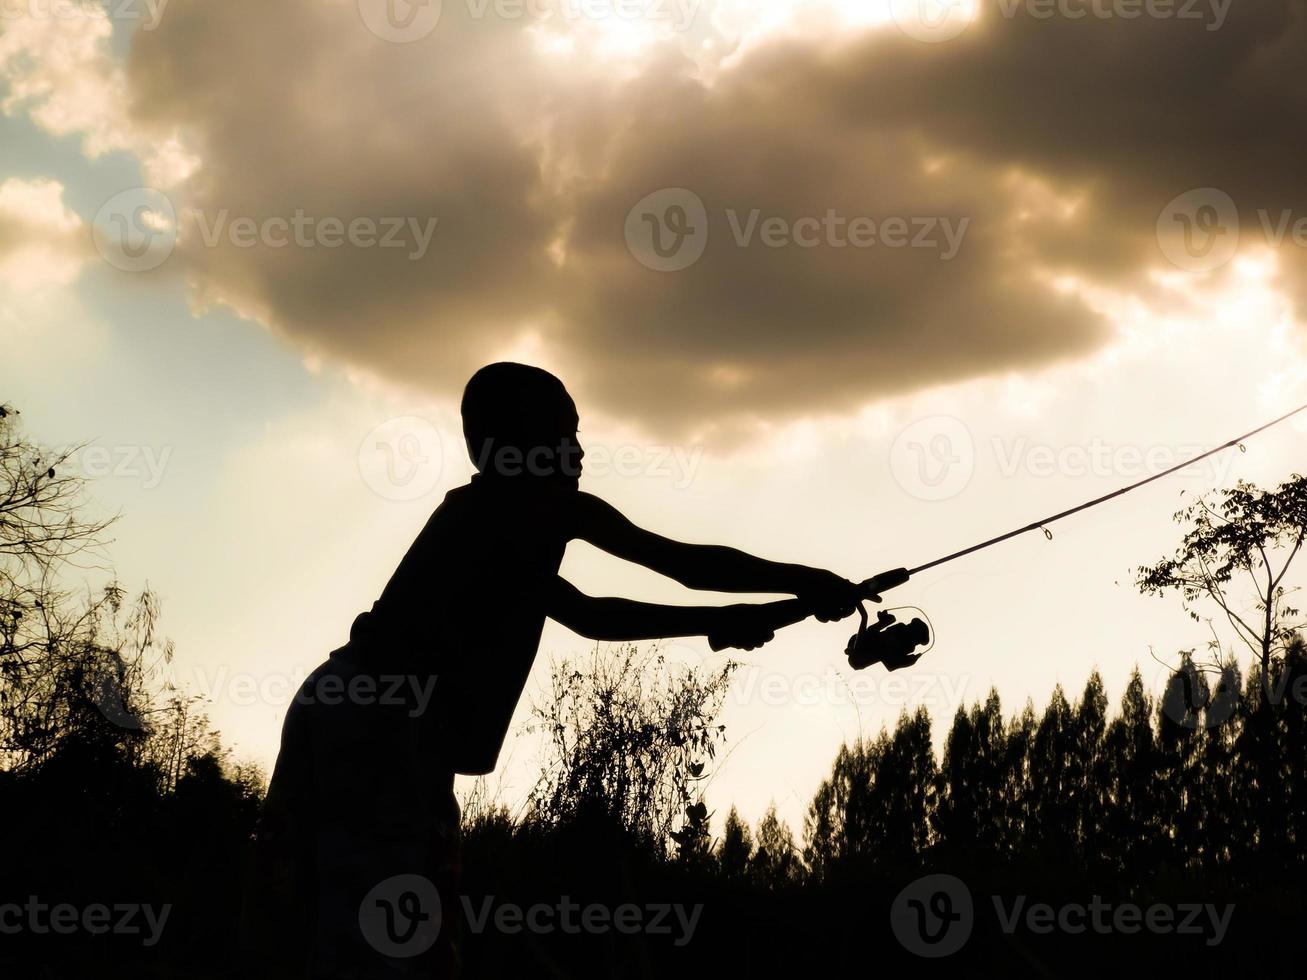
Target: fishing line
894,644
1042,523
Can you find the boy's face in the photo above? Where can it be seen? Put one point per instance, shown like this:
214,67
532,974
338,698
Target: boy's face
570,455
551,453
558,458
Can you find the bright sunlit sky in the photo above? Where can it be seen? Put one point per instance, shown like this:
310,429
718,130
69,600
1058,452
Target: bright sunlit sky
1079,310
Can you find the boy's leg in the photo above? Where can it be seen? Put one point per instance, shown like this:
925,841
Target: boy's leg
446,865
383,846
276,924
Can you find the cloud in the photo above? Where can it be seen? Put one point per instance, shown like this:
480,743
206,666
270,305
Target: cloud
57,67
60,71
1040,152
44,247
42,243
299,110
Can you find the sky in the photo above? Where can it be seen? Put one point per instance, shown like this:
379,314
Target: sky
848,284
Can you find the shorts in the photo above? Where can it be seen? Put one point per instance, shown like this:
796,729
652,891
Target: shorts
356,859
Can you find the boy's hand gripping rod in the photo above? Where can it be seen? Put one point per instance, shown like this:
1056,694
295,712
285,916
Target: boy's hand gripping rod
886,641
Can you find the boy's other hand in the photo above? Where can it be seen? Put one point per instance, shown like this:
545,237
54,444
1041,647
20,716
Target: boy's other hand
743,626
830,597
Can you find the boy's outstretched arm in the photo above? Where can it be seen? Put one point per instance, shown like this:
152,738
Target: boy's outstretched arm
712,567
744,625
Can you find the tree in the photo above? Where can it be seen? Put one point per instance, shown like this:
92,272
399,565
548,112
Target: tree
876,805
971,806
79,669
41,503
736,846
1088,767
775,862
840,822
1132,771
1051,778
70,668
109,780
1243,534
1017,763
1237,553
1179,772
1219,806
956,818
1294,742
631,738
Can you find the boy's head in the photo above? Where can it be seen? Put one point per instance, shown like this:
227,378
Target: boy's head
520,421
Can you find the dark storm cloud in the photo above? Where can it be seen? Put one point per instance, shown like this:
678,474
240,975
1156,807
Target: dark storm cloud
1042,149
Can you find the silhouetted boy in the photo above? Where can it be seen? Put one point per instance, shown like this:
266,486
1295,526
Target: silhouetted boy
361,816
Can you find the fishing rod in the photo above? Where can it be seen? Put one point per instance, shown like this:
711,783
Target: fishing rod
895,643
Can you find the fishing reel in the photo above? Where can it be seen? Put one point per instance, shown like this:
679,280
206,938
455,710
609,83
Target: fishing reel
886,641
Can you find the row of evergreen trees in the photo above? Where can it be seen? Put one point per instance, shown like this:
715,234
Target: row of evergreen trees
1205,779
1194,795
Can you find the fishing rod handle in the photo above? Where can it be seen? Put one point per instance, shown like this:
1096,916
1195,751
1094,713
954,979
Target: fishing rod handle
780,614
787,612
874,586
